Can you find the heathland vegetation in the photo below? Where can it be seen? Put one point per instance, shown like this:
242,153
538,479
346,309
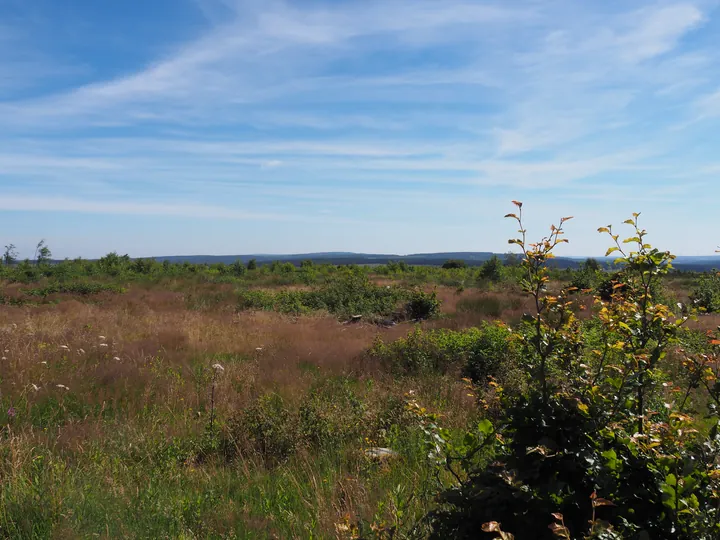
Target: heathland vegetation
146,399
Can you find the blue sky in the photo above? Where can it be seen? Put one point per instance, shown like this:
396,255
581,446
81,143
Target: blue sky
238,126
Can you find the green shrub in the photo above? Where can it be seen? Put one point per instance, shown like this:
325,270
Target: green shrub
422,305
81,288
491,270
331,415
255,299
355,294
478,352
584,279
706,293
269,427
606,435
454,264
349,294
490,352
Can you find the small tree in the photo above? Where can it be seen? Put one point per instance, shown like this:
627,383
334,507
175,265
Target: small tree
252,264
42,253
237,268
10,255
492,269
591,264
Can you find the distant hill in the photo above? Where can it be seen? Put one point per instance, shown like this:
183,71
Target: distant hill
472,258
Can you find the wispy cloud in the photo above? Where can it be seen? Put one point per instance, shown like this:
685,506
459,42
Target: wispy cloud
287,109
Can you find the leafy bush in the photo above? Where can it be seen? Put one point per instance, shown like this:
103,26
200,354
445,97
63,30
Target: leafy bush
492,351
350,294
595,441
584,279
706,294
255,299
422,305
478,352
269,427
491,270
81,288
355,294
454,264
330,415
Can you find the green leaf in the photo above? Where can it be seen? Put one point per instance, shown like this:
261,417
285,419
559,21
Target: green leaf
485,427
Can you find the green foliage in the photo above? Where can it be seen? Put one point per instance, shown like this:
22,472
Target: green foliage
269,427
706,293
492,270
584,279
42,253
454,263
331,415
422,305
10,255
348,294
81,288
479,353
596,441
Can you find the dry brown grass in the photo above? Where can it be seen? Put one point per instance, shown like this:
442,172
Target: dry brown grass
156,353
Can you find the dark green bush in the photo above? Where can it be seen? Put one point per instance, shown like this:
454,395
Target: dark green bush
706,293
81,288
555,461
491,270
490,352
422,305
454,264
584,279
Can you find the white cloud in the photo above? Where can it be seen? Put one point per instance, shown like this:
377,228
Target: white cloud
21,203
659,31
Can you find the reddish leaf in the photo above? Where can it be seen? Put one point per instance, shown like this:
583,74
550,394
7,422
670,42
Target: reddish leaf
491,526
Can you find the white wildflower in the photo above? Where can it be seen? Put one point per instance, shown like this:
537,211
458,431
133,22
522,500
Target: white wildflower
62,386
103,344
116,358
102,338
65,347
44,362
81,351
35,387
3,358
218,367
258,349
6,351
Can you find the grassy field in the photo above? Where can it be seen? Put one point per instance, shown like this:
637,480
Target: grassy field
106,402
180,407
